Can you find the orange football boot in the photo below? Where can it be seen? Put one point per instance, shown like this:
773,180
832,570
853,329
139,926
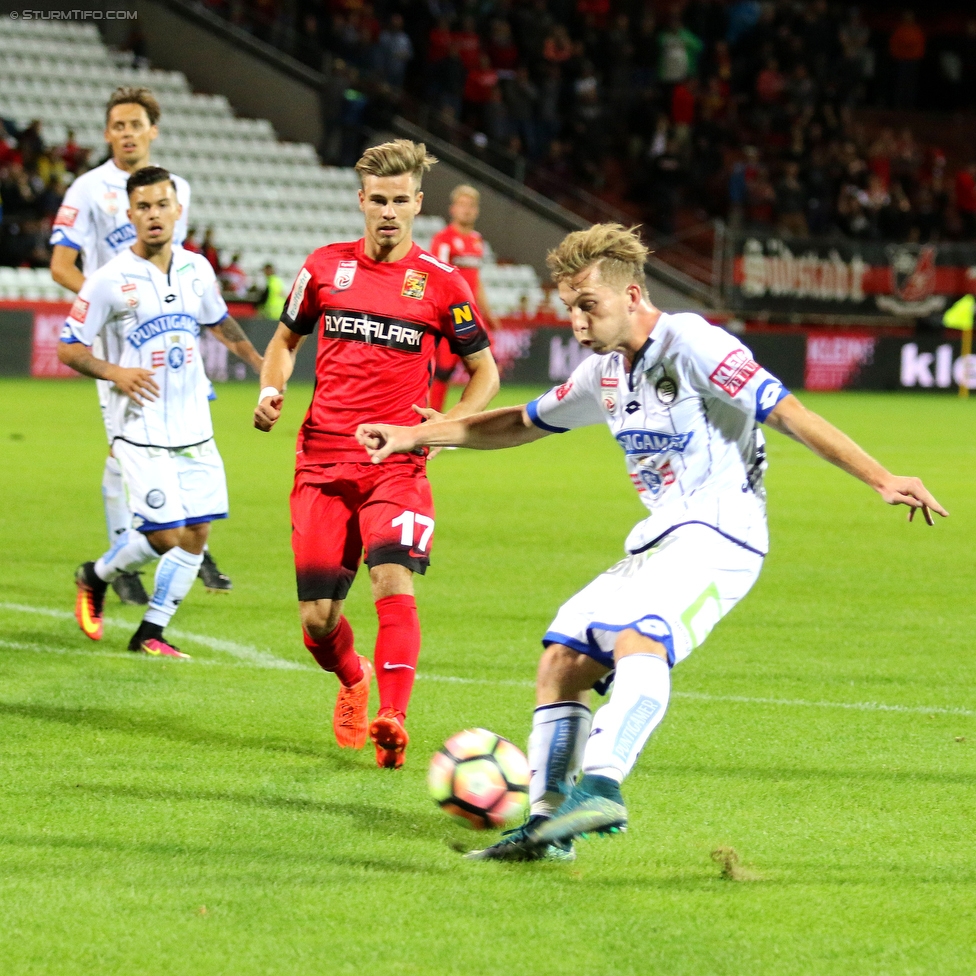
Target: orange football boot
390,738
90,601
351,716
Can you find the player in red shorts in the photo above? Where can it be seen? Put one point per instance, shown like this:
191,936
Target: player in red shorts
380,305
461,245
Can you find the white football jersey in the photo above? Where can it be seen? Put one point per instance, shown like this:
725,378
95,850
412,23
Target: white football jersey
92,217
152,319
686,418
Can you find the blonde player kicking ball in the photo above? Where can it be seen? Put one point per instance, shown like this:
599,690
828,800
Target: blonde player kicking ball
149,304
684,400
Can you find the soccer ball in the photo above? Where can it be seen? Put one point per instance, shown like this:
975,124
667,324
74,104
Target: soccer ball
480,779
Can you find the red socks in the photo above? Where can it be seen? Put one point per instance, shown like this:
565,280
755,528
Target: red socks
335,652
438,394
397,650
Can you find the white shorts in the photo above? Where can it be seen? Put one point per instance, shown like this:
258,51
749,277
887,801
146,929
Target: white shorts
169,488
674,593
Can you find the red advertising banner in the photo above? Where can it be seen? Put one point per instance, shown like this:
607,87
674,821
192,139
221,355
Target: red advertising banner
44,345
834,361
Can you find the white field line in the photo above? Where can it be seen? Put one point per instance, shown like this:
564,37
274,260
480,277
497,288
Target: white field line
254,657
243,652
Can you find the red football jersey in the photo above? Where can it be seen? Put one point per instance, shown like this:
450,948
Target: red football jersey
380,324
465,251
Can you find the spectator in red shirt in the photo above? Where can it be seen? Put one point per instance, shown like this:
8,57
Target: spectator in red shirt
468,43
191,243
439,41
683,104
907,48
502,51
209,250
480,87
558,48
234,279
966,200
770,83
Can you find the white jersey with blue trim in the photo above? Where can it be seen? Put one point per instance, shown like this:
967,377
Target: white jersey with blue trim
151,319
93,216
687,419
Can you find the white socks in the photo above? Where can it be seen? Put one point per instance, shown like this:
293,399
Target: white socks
118,518
556,746
130,551
641,689
175,573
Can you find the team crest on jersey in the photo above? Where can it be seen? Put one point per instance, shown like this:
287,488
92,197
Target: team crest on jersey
130,293
110,202
344,275
666,390
414,284
66,216
79,310
608,391
462,318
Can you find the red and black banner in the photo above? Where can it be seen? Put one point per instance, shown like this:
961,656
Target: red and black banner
838,276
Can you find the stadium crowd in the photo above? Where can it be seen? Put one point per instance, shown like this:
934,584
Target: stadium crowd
730,108
33,180
739,109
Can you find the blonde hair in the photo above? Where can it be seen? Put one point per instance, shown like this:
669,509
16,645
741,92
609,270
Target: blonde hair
617,250
394,159
464,190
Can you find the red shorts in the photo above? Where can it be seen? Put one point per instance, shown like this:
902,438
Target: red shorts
340,510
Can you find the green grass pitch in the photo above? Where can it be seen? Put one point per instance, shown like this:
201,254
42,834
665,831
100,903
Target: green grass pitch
197,818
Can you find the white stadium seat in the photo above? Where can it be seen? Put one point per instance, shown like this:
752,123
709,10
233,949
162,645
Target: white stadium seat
268,200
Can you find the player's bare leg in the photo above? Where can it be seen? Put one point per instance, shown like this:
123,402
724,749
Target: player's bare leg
560,727
397,650
329,639
642,688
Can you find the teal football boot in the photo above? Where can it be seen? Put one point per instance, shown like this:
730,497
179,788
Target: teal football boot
515,846
594,807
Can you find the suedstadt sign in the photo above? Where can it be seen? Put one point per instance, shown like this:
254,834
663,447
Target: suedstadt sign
831,276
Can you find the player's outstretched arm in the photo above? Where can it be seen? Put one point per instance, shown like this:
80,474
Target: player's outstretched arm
505,427
134,382
790,417
230,333
279,361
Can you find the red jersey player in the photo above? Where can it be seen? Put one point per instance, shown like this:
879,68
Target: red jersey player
380,305
461,245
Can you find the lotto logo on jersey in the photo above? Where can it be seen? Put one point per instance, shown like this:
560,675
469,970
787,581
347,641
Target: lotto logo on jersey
79,310
66,216
767,396
344,275
462,317
414,284
733,372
